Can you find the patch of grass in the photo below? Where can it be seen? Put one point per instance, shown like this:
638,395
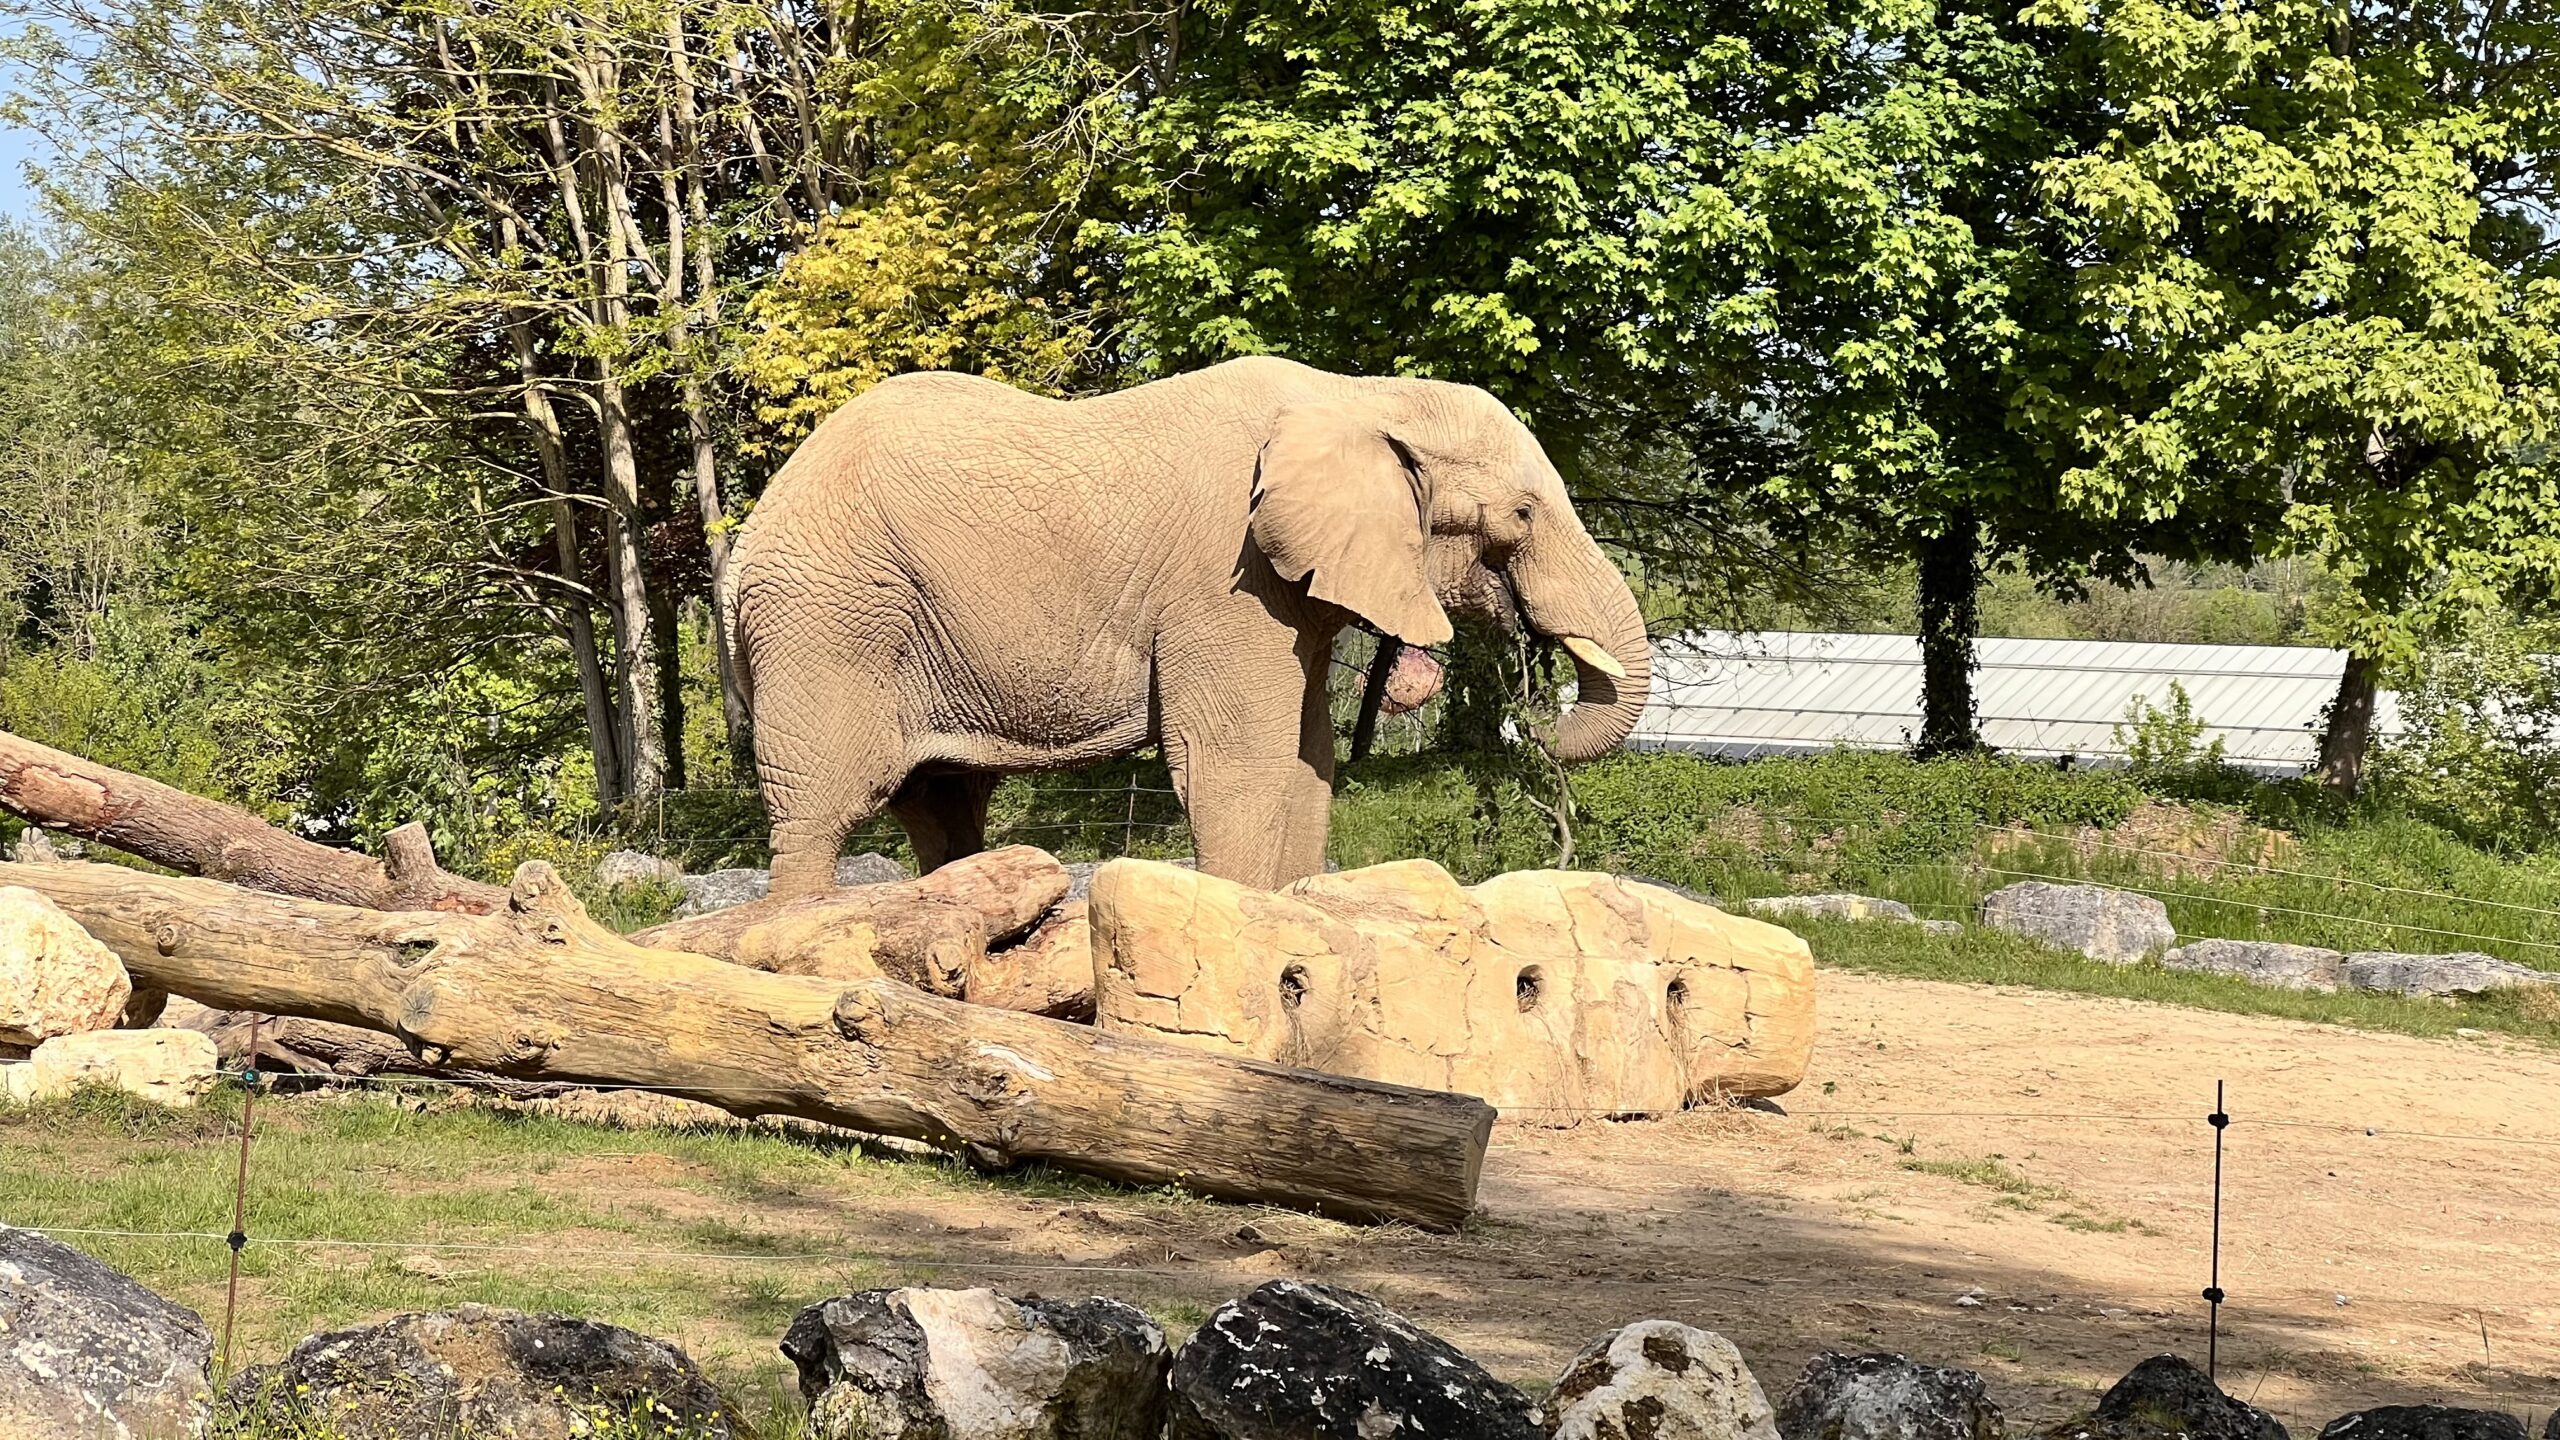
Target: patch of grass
1988,1172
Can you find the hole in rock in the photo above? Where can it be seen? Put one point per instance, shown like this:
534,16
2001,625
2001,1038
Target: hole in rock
1677,997
1531,981
1293,986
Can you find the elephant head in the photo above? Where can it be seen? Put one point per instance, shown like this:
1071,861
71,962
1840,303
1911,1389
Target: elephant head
1410,499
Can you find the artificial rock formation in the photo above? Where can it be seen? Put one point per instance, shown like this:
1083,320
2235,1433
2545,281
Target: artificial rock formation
1553,994
54,979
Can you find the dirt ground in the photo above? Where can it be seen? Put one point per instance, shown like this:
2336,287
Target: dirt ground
2391,1213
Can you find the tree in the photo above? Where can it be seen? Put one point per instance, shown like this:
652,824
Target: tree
2318,246
458,211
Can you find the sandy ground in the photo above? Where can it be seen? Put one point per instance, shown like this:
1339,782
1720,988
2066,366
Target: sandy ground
2391,1213
2391,1218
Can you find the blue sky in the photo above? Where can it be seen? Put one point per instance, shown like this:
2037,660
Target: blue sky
16,148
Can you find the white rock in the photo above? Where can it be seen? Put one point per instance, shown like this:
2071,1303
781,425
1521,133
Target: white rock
55,979
165,1067
624,868
2464,972
2105,924
1661,1379
1832,907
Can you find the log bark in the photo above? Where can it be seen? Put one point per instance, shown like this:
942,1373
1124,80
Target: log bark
541,992
930,932
169,827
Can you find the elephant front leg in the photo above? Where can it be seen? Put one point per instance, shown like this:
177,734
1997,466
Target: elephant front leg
1259,794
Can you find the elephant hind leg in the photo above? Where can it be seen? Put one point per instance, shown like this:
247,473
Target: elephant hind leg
945,816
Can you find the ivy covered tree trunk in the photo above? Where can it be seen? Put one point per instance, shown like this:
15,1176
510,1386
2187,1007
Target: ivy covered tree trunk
2349,732
1950,583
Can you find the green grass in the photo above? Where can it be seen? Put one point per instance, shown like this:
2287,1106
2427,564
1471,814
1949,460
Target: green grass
426,1205
1988,1172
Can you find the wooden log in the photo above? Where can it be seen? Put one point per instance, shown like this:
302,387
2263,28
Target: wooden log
930,932
541,992
167,826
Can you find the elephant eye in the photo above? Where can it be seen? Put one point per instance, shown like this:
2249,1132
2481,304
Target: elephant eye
1523,512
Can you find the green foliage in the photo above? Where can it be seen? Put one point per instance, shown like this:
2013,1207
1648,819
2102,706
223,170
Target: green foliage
2479,749
2158,740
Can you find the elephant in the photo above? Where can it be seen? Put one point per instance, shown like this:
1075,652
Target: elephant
951,580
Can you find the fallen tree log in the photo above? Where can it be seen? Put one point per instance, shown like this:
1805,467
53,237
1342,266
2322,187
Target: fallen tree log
167,826
930,932
541,992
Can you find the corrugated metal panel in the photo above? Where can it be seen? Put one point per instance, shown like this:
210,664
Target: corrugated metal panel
1724,693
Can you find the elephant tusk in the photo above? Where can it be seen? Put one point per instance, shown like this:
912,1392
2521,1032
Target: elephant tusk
1590,653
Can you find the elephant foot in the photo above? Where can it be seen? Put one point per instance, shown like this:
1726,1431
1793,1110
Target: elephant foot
1414,679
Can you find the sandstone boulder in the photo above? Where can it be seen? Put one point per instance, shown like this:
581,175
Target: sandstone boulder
1555,995
1661,1380
55,979
924,1364
2464,972
1886,1397
1309,1362
2105,924
165,1067
2424,1422
1049,973
1832,907
479,1371
2265,962
87,1353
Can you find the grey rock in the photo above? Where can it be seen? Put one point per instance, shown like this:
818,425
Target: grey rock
477,1370
2464,972
1661,1379
721,889
1832,907
2105,924
1886,1397
2266,962
1943,927
87,1354
1683,891
923,1364
2168,1398
34,847
621,869
2424,1422
869,868
1293,1361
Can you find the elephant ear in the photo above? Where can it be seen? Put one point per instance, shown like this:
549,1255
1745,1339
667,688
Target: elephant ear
1336,504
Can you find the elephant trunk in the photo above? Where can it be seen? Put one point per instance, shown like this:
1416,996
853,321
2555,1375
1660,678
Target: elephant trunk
1571,591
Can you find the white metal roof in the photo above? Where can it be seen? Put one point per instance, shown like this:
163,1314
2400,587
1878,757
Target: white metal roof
1732,694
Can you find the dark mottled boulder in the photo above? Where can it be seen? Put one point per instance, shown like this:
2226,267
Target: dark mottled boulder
1886,1397
481,1371
869,868
2164,1397
1658,1380
87,1354
2425,1422
1293,1361
923,1364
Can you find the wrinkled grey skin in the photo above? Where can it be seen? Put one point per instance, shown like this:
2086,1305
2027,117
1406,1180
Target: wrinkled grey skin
952,580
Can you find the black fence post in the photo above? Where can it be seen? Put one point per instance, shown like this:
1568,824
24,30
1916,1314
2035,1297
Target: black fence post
2220,1121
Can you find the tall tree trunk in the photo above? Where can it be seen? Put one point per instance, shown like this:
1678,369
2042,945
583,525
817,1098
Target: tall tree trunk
2349,732
1950,583
666,648
645,759
1373,693
685,140
578,618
